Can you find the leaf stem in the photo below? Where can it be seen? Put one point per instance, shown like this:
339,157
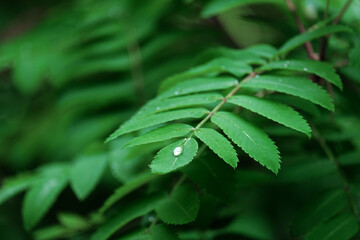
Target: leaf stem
342,12
330,155
308,46
223,101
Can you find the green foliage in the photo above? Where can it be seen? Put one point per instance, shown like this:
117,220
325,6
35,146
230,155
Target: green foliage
250,138
180,207
129,120
275,111
219,144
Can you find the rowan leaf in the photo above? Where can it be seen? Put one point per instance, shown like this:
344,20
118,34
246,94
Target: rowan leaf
161,134
133,210
275,111
297,86
161,105
322,69
180,207
41,196
219,144
86,173
320,211
217,177
250,138
15,185
342,227
165,161
216,7
309,35
211,68
152,120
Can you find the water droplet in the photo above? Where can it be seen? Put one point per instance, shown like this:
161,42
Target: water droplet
285,65
158,108
178,151
305,69
151,219
176,92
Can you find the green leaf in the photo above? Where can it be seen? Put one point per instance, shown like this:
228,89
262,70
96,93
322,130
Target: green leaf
275,111
342,227
41,197
200,85
322,69
86,173
310,35
180,207
51,232
219,144
298,103
14,186
152,120
217,177
319,212
350,158
297,86
165,161
160,231
161,105
72,221
212,68
250,138
133,210
216,7
126,189
262,50
161,134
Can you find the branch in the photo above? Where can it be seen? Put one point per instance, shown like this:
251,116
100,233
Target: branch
342,12
308,46
330,155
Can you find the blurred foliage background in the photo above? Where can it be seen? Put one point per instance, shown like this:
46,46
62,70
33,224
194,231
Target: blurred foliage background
72,71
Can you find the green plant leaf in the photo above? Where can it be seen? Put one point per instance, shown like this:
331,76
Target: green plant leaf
127,188
322,69
342,227
262,50
275,111
161,134
300,39
351,158
219,144
319,212
200,85
152,120
133,210
15,185
297,86
161,105
41,197
250,138
165,161
217,177
212,68
86,173
72,221
180,207
216,7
